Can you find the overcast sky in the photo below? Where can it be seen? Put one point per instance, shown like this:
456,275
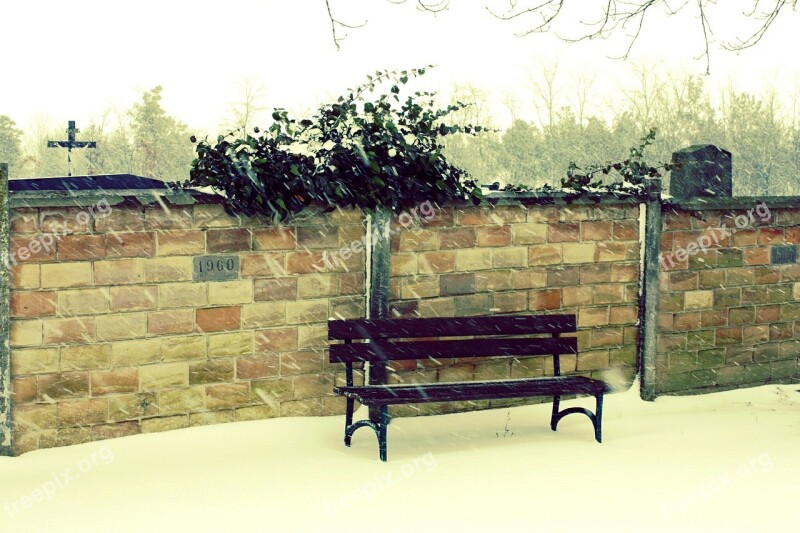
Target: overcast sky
75,59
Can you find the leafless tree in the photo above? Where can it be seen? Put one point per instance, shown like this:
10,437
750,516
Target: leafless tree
611,17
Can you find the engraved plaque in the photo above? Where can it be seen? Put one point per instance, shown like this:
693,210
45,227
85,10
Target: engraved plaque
784,255
216,267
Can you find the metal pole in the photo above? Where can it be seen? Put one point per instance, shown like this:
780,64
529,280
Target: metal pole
378,297
6,435
648,303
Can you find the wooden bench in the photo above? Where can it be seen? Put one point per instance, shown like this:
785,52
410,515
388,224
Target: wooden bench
486,336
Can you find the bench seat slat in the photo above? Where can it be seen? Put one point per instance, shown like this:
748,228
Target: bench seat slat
377,395
393,351
449,327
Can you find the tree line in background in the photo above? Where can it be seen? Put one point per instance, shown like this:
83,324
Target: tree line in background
762,132
573,125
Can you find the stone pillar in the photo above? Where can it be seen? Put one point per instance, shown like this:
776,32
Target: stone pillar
378,260
5,350
701,170
648,302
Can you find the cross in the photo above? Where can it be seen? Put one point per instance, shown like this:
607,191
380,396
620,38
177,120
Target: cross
71,143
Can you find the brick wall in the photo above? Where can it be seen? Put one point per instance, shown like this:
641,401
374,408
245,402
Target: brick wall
728,317
578,259
110,336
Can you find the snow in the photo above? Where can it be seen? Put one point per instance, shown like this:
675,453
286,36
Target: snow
724,461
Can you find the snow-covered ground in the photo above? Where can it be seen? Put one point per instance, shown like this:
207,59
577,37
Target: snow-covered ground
720,462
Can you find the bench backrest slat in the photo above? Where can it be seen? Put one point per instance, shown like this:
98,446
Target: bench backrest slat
449,327
406,350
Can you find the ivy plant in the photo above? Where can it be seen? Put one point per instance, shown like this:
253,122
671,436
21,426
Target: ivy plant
368,149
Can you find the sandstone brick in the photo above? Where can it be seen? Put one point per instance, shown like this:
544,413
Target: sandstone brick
85,357
542,300
25,333
74,247
317,237
609,294
218,318
172,217
528,279
163,376
699,299
432,307
305,311
167,423
419,287
575,296
474,259
119,326
182,400
526,234
63,385
138,244
24,220
294,363
36,416
161,269
131,406
136,298
578,252
265,264
230,292
275,289
30,250
135,352
25,276
494,236
510,257
24,390
118,272
563,232
546,254
230,344
83,302
493,280
256,367
450,239
65,275
351,283
312,386
227,395
436,262
510,302
317,285
473,304
259,315
405,264
563,276
472,216
592,316
274,238
181,242
64,330
271,391
34,361
33,303
257,412
170,322
623,315
419,240
280,339
182,295
211,371
183,348
113,431
593,360
228,240
213,216
595,273
214,417
118,381
626,230
452,284
122,219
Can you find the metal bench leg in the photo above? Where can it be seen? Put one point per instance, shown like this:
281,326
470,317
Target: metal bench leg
348,421
598,419
554,417
382,431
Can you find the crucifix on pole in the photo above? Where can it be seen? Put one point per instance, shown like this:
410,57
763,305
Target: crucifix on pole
71,143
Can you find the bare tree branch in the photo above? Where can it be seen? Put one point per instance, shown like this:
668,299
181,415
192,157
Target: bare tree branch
338,23
768,17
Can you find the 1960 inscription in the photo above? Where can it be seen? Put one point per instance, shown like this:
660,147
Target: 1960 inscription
216,267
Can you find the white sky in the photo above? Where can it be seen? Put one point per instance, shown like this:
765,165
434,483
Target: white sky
76,59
